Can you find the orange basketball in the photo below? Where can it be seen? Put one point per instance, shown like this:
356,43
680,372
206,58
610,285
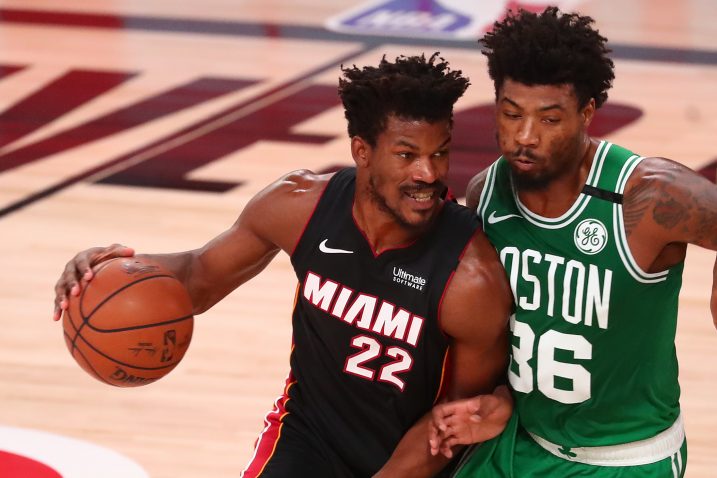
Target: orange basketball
131,324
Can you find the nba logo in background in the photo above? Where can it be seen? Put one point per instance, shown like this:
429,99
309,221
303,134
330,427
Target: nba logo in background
444,19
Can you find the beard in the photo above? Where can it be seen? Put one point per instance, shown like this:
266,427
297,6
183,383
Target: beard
530,180
380,200
564,161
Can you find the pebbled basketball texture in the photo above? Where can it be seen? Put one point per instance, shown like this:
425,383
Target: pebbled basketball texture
131,324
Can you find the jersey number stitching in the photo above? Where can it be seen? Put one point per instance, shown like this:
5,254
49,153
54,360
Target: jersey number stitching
548,368
372,349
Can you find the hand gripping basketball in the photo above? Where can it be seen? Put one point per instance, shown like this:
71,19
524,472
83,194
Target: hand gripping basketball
131,324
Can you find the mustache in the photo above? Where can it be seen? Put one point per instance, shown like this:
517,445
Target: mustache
421,187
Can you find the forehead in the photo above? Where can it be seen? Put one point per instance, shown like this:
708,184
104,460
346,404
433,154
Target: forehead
413,131
537,96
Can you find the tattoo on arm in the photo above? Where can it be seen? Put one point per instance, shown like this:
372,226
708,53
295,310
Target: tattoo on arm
670,213
680,202
693,207
636,204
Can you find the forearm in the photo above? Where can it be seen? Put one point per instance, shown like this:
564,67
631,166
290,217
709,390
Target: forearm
182,266
203,282
412,457
209,274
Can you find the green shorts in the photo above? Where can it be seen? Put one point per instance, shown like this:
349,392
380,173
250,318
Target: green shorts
514,454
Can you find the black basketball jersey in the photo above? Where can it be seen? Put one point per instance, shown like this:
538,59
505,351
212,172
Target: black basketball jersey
369,356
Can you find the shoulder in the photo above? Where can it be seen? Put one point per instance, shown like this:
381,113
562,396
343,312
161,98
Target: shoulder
656,179
655,169
667,200
280,211
475,188
480,265
301,184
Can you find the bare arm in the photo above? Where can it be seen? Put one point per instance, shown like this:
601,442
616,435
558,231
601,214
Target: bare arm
667,206
270,222
478,351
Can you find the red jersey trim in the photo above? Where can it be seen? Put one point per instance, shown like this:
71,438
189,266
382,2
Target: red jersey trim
269,437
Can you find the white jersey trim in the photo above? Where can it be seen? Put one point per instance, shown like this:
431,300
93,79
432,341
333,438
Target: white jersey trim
623,247
643,452
578,206
487,192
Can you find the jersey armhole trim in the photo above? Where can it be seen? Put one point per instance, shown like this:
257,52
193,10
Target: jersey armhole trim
487,192
621,235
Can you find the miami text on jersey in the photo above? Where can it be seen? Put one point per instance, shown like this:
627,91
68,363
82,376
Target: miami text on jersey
362,310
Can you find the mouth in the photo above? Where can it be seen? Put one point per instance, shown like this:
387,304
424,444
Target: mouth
422,198
523,163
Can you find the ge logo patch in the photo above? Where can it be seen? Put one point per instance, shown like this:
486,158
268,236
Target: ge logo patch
590,236
28,453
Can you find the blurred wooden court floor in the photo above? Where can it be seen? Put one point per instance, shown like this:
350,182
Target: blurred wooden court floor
152,123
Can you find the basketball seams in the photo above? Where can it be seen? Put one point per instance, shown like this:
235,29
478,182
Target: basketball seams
74,328
86,319
88,365
75,348
138,327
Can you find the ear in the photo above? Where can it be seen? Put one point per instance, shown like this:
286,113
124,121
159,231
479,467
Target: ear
588,113
361,151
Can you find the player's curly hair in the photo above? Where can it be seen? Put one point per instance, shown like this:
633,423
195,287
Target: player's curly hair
412,88
550,48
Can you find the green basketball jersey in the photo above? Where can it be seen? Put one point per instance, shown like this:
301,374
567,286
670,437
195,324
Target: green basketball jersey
593,358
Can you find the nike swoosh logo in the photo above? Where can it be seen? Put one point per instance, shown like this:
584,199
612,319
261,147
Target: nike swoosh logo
330,250
492,219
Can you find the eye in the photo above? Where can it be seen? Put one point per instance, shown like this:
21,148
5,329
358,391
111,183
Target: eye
551,120
405,154
511,115
441,154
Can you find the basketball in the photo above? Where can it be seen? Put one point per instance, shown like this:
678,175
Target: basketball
131,324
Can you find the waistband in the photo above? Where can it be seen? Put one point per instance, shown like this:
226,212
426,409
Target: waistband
642,452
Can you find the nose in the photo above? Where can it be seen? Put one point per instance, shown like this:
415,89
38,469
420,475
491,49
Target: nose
424,170
527,134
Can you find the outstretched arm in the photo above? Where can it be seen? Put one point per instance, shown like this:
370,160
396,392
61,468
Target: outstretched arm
271,221
474,315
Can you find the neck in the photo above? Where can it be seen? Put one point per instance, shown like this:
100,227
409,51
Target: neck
381,229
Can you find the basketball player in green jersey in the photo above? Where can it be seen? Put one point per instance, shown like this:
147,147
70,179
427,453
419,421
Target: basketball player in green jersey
593,239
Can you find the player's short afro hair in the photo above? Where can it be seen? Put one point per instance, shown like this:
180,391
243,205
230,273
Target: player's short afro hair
550,48
414,87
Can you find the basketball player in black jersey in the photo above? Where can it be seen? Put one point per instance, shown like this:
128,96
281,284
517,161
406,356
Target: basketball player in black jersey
402,300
